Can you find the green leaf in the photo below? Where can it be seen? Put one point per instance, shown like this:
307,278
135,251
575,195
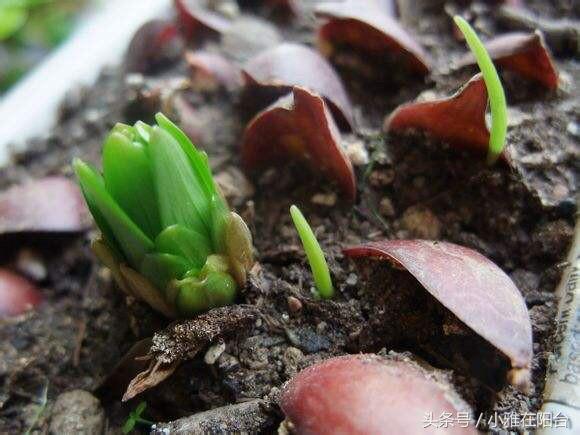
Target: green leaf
198,159
132,241
497,99
219,220
217,289
12,18
186,243
181,197
128,178
162,268
129,424
314,254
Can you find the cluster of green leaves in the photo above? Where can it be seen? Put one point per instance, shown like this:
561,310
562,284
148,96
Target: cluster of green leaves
497,99
135,418
314,254
159,211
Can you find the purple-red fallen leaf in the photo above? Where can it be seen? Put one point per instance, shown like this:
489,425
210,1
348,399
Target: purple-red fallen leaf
17,294
367,29
212,71
275,71
156,44
199,23
458,120
367,394
298,125
52,204
524,53
469,285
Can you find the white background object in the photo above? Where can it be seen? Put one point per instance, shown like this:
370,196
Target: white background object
29,109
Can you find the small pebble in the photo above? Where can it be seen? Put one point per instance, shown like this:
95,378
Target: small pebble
573,128
357,153
351,280
31,264
326,199
294,304
214,352
386,207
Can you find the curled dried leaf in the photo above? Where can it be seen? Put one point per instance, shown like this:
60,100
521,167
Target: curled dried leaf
211,71
155,45
30,207
17,294
298,126
199,23
472,288
367,29
524,53
274,72
458,120
360,394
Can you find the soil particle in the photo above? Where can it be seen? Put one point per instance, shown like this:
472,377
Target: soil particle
421,223
77,412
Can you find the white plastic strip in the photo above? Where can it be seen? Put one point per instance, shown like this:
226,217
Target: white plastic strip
29,109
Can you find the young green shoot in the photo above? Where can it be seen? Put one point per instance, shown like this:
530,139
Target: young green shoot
135,418
168,236
314,254
497,100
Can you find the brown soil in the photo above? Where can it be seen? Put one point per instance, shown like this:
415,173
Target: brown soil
414,187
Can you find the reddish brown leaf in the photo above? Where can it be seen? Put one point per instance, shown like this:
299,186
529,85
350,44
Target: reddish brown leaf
367,394
458,120
275,71
371,31
469,285
155,45
199,23
212,71
298,126
17,294
52,204
525,54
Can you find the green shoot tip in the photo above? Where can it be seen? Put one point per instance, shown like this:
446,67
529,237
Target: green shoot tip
314,254
497,99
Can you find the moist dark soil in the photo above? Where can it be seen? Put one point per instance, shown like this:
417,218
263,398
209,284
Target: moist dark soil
521,217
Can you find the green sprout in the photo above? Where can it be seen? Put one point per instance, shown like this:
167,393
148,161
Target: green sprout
314,254
168,235
495,90
135,418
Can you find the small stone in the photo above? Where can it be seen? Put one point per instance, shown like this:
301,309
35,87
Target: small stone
77,412
381,178
31,264
326,199
386,207
357,153
352,280
294,304
573,128
214,352
421,223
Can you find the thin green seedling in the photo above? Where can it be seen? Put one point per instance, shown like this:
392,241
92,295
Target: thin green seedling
135,418
314,253
497,99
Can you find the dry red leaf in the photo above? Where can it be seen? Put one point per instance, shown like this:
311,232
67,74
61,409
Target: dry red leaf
198,23
52,204
367,394
368,29
458,120
274,72
298,126
156,44
524,53
17,294
471,287
212,71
